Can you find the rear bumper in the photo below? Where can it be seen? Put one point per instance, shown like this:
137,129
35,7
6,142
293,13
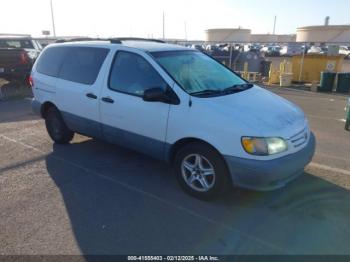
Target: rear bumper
15,72
36,107
272,174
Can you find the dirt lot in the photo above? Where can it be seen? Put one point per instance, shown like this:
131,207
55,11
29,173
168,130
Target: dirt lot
91,197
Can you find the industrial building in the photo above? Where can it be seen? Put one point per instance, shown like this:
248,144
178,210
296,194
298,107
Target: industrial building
270,38
308,34
227,35
244,35
324,34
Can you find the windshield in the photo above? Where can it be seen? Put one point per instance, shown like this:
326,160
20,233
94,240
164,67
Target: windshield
197,72
14,43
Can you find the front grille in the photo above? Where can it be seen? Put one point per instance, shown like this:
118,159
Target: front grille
300,138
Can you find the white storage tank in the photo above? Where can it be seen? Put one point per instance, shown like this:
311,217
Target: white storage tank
324,34
228,35
269,38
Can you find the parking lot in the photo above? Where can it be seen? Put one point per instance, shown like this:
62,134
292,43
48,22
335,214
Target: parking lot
91,197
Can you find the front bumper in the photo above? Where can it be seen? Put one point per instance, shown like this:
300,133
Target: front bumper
270,174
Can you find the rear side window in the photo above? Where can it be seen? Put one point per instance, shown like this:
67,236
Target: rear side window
50,61
82,64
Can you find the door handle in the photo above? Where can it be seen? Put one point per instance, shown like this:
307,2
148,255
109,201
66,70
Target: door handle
91,95
108,100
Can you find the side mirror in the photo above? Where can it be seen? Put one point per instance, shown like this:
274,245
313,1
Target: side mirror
155,94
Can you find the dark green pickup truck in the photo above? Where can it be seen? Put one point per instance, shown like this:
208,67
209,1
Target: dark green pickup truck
17,56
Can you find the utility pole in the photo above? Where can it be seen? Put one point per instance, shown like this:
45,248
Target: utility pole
53,20
163,26
274,25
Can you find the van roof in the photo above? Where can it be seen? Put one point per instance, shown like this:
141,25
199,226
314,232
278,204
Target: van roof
148,46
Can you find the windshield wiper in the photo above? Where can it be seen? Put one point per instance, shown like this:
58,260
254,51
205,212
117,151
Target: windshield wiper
207,92
232,89
238,88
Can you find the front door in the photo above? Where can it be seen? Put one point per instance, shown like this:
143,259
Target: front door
126,118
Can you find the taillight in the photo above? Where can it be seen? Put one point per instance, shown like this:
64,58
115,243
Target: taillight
30,81
24,58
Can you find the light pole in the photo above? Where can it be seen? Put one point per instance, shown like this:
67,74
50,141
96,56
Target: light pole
53,20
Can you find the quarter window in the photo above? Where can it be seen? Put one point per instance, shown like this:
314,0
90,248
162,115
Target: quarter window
132,74
50,61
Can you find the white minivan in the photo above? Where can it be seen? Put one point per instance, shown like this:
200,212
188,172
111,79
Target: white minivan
175,104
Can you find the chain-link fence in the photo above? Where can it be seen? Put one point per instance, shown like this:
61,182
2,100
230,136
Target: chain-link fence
301,62
279,63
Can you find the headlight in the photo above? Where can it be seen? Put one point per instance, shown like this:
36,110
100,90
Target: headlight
264,146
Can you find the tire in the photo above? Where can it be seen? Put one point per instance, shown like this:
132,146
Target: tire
186,158
57,129
347,125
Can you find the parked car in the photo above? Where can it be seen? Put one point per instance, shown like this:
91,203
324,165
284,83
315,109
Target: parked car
271,50
317,50
210,48
175,104
198,47
291,49
251,48
17,56
344,50
30,45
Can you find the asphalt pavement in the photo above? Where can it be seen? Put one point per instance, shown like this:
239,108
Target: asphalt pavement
91,197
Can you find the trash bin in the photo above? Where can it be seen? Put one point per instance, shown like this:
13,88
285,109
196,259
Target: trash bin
343,85
327,81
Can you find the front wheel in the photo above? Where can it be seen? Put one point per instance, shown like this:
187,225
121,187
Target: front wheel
56,127
201,171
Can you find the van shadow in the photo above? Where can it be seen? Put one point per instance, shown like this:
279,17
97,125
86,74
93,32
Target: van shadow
121,202
16,110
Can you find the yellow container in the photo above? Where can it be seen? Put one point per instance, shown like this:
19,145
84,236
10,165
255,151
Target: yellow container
286,79
313,65
286,67
274,77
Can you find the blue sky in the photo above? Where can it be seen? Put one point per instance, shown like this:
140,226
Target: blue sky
107,18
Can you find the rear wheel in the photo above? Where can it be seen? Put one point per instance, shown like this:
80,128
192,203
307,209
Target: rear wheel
201,171
56,127
347,125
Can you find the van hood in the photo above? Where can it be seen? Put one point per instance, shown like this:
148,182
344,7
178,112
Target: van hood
262,112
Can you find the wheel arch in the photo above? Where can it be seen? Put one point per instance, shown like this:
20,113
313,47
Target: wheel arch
174,148
45,106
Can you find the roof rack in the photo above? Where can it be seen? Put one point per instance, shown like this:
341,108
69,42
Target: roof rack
119,40
78,39
16,35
